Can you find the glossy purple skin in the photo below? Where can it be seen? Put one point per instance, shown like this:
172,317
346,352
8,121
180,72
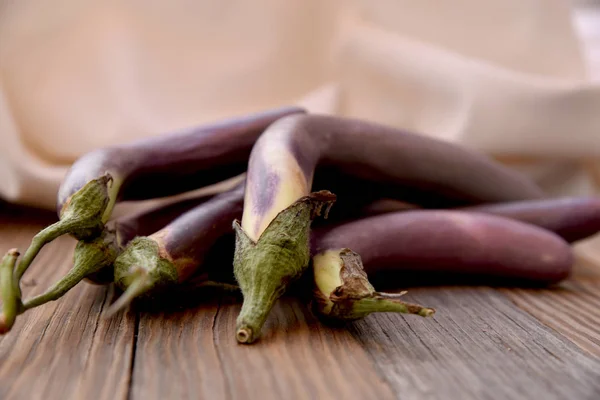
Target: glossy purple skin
572,218
186,229
176,162
193,233
385,156
149,221
356,197
143,224
442,241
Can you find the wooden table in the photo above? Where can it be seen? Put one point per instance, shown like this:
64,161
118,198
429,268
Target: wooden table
483,343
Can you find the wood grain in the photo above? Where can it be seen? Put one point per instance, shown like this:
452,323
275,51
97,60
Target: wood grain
176,357
62,349
573,307
573,310
193,354
477,346
483,343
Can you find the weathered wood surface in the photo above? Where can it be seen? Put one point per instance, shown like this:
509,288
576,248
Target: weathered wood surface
480,346
482,343
63,349
296,359
573,308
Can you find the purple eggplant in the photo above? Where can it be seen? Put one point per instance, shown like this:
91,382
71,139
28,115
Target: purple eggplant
172,254
342,291
149,168
572,218
281,170
93,259
444,241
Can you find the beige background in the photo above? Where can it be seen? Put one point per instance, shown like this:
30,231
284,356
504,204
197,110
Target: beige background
512,78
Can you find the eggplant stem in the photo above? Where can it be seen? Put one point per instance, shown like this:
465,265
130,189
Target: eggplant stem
265,268
252,317
56,291
388,302
89,257
342,291
138,286
244,334
10,297
82,217
43,237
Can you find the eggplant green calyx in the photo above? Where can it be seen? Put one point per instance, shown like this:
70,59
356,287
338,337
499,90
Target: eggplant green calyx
143,266
10,298
81,216
342,291
89,257
265,268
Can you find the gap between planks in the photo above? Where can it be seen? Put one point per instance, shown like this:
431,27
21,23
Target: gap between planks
468,351
296,357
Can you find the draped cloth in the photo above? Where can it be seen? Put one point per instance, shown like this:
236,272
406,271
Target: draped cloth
506,77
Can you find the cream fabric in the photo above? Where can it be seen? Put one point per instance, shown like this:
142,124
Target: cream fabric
506,77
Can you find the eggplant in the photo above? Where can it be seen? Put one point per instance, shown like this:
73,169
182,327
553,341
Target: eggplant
281,170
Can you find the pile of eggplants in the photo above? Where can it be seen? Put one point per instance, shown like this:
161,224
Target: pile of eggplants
329,199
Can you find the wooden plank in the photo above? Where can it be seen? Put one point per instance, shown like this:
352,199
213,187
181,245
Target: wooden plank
193,354
477,346
175,354
572,308
63,349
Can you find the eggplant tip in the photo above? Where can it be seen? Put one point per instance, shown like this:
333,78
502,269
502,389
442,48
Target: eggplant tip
112,310
3,326
122,302
426,312
137,287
